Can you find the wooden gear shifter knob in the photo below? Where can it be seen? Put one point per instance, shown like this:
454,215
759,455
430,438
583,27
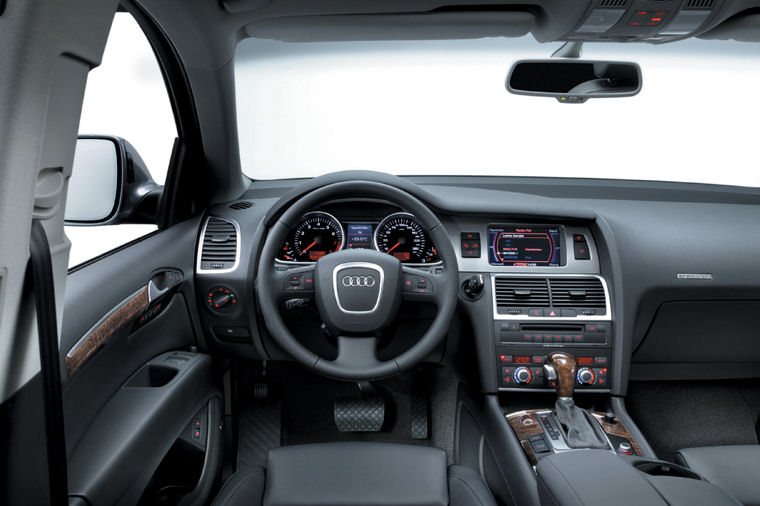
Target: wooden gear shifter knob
564,365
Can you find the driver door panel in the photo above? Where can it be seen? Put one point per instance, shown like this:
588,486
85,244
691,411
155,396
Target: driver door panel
131,384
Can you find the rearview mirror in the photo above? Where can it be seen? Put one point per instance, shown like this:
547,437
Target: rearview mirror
109,184
574,81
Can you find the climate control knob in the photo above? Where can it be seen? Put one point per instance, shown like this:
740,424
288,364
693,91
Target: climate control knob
523,375
585,376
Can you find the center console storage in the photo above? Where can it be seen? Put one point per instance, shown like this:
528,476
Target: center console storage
598,477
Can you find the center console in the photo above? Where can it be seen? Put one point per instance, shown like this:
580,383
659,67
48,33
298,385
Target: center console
548,296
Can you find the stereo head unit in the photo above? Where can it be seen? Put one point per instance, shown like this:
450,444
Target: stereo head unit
525,245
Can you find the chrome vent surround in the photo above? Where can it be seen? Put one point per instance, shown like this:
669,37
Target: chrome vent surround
577,293
520,296
220,246
521,292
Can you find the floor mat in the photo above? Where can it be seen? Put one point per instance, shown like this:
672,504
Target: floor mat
258,431
675,415
305,403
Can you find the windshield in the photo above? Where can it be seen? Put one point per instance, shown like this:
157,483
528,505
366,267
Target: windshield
441,108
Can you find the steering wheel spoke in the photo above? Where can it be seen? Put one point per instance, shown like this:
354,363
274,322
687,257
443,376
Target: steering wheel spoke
357,353
421,285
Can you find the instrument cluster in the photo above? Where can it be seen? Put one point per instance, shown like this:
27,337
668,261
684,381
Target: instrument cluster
319,233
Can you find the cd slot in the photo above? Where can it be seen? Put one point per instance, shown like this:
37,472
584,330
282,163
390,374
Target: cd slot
552,328
554,333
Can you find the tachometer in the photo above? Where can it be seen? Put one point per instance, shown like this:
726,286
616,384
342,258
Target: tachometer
401,236
318,234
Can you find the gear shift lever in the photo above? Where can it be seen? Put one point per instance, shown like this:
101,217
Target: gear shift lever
581,431
564,371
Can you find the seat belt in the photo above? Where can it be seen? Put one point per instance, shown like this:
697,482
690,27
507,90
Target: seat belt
47,332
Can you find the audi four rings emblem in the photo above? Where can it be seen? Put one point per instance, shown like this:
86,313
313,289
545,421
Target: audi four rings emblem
358,281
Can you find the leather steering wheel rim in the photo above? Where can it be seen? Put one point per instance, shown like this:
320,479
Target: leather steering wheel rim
268,283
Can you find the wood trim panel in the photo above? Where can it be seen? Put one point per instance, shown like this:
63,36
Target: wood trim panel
617,429
525,424
117,319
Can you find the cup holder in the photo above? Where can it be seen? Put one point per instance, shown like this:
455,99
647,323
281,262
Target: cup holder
662,468
151,376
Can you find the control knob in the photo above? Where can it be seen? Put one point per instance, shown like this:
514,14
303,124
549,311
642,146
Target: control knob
221,299
625,449
523,375
585,376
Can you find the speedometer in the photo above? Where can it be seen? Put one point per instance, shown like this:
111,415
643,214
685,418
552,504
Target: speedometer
317,234
401,236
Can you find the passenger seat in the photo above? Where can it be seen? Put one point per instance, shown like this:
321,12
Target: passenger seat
736,469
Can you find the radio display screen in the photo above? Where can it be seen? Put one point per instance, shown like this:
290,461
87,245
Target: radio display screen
525,245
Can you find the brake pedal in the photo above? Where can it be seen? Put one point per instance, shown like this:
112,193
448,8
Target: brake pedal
361,414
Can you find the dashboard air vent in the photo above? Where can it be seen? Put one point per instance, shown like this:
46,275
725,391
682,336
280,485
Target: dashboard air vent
613,3
577,293
699,4
220,242
521,292
240,205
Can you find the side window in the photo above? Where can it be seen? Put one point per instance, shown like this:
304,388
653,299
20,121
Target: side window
125,97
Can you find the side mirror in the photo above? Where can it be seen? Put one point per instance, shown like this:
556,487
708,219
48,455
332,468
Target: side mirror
110,184
575,81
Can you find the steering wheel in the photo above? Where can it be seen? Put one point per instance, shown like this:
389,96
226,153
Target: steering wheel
358,291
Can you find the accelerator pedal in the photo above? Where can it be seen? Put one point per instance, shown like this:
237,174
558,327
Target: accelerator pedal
360,414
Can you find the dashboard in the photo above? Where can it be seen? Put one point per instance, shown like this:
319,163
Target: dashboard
355,226
600,277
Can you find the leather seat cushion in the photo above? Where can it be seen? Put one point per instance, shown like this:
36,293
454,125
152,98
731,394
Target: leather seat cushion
736,469
362,474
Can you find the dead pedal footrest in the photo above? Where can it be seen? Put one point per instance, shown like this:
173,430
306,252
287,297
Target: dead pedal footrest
364,414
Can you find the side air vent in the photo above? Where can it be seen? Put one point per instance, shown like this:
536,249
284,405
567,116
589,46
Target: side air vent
220,245
699,4
521,292
581,293
240,205
613,3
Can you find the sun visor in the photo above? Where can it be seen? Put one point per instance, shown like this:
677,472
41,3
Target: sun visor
373,27
744,27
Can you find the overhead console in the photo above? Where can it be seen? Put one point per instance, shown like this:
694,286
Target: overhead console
643,20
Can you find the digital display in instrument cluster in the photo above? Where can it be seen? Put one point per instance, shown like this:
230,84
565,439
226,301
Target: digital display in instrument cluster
359,235
525,245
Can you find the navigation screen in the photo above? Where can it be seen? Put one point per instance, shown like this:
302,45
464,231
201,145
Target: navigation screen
526,246
359,235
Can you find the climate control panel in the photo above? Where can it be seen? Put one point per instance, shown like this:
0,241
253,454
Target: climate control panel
522,368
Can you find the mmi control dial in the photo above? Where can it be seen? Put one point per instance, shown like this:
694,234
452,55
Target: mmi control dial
585,376
523,375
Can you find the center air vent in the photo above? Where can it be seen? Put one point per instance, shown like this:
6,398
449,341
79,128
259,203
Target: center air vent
521,292
220,246
577,293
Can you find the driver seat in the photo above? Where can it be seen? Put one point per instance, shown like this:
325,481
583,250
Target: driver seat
355,473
